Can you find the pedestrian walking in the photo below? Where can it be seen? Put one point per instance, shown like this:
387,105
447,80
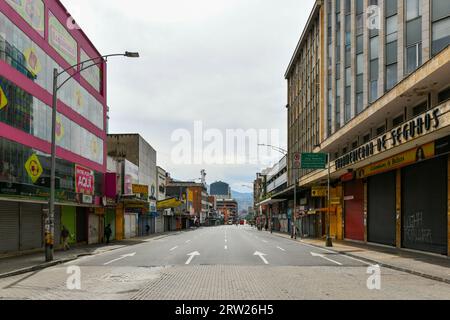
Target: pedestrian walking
65,238
147,229
108,232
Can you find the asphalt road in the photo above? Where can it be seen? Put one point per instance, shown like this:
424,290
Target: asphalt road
223,263
226,245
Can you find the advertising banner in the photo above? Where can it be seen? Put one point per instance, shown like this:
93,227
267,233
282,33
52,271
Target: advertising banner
92,74
84,180
61,40
32,11
131,176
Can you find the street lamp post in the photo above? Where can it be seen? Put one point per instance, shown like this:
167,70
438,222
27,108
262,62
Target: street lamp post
329,242
50,221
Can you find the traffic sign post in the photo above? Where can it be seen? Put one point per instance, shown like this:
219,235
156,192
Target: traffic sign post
320,161
296,165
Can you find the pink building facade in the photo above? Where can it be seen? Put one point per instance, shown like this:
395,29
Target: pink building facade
37,36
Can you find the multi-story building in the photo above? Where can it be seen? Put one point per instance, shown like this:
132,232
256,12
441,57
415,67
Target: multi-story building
368,84
220,189
229,209
165,215
139,192
35,39
195,202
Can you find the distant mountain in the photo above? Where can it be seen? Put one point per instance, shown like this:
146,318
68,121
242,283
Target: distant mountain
244,200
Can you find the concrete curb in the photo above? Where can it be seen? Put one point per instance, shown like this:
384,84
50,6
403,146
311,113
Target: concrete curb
40,266
374,262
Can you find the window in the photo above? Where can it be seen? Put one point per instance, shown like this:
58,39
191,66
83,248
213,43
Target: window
359,44
413,57
391,76
391,53
374,45
441,25
391,7
366,138
413,9
421,108
397,121
381,130
413,35
391,28
444,95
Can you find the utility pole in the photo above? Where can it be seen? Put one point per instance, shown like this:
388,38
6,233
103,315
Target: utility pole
329,242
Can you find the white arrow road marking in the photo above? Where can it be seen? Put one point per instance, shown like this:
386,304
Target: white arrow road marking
191,256
173,248
261,255
323,257
226,247
122,257
281,249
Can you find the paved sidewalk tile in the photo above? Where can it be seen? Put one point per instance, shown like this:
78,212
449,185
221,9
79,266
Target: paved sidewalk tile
23,263
422,264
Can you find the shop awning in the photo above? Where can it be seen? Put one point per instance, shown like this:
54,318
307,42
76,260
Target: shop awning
170,203
270,201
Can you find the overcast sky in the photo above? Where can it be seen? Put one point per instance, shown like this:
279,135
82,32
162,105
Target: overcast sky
218,61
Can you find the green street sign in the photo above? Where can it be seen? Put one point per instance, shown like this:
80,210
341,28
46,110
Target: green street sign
314,160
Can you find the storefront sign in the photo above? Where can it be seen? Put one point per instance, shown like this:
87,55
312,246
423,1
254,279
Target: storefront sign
348,177
319,192
61,40
3,99
417,127
139,189
335,201
398,161
88,199
32,11
33,167
84,180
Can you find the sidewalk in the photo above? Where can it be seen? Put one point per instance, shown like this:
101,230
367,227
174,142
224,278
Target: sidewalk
19,264
421,264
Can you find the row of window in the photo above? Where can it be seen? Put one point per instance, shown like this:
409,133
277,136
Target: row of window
17,50
396,121
13,157
32,116
440,26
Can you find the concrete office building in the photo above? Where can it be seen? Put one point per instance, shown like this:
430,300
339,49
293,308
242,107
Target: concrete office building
368,83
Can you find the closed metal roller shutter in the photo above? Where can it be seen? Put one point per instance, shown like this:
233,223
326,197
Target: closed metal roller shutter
381,209
93,229
31,226
133,225
354,210
9,226
424,206
57,226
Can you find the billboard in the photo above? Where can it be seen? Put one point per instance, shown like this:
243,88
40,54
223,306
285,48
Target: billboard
130,177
